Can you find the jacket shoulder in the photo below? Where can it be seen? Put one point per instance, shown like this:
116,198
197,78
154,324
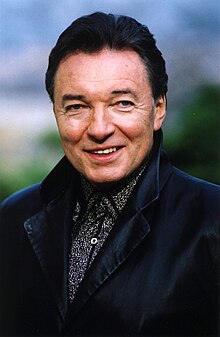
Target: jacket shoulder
26,201
195,183
196,190
21,195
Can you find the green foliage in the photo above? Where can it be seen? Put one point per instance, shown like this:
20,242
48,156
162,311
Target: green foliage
32,171
51,139
27,174
195,144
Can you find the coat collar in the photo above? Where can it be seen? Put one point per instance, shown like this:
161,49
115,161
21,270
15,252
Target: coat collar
49,230
155,177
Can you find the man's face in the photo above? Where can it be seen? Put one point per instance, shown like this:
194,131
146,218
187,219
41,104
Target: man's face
105,113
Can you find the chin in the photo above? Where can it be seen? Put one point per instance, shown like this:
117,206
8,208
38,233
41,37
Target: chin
103,180
105,183
107,175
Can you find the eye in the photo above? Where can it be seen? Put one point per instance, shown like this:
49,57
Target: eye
76,108
124,105
73,107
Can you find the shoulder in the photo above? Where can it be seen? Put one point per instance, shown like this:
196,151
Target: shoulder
194,194
181,186
21,204
21,196
194,185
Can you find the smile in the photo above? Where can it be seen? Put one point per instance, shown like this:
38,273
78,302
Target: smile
105,152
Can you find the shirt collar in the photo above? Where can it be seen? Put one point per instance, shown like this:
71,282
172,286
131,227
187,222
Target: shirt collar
119,195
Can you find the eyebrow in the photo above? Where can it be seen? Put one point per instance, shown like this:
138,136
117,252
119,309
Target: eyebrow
71,97
124,92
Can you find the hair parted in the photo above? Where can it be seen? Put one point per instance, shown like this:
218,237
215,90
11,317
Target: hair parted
91,33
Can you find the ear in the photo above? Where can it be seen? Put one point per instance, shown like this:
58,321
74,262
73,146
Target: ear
160,112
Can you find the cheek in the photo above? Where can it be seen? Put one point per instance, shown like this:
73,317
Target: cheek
69,132
139,129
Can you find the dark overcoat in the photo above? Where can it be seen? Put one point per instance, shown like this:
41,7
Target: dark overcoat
156,275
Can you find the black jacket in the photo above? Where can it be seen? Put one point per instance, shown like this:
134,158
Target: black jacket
156,274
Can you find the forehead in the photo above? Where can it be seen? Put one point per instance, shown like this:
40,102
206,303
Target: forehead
105,65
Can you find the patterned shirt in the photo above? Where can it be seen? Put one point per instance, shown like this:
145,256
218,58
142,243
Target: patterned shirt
93,219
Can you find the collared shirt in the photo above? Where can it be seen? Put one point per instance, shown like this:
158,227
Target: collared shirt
95,215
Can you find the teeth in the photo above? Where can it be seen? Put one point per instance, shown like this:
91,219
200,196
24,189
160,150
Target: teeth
106,151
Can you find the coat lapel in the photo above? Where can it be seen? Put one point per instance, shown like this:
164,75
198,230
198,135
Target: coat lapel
126,235
49,231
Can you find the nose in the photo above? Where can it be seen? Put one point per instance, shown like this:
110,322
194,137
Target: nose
101,126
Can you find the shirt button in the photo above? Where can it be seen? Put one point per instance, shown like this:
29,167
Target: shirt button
94,241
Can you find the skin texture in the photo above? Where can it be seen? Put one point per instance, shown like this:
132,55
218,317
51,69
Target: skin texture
104,101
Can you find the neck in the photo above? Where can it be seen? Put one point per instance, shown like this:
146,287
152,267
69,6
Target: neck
116,186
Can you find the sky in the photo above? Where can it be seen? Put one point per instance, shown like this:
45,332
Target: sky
30,28
31,22
187,32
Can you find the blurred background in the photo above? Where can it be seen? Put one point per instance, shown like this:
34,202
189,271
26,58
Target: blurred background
188,34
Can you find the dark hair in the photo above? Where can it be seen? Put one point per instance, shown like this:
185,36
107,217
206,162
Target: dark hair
92,33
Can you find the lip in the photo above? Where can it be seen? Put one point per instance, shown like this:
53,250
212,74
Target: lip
104,156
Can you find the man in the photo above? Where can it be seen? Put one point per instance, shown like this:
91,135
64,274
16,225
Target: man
115,241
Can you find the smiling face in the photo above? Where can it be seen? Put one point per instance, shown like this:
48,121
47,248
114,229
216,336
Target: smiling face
105,113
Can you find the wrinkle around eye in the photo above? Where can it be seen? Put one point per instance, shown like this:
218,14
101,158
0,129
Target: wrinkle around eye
75,109
124,105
